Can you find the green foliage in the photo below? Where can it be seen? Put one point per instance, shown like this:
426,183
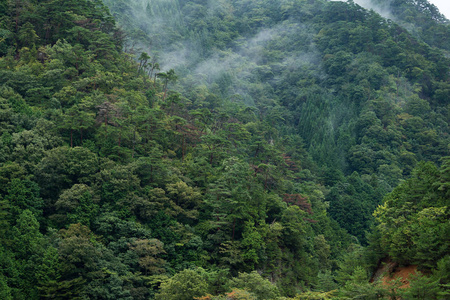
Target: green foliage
237,294
235,141
5,289
76,205
413,221
184,286
255,284
148,252
358,286
63,167
27,238
423,19
49,273
315,296
23,195
423,287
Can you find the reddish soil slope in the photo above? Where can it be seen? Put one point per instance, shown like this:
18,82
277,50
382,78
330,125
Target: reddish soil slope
401,273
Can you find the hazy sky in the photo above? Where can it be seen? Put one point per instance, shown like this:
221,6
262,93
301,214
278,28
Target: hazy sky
443,5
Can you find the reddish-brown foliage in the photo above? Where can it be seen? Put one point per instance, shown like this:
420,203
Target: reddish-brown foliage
300,201
290,164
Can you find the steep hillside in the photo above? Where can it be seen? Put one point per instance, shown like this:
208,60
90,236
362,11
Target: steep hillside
362,92
218,150
420,18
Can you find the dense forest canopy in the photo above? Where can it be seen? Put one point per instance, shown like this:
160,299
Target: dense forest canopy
169,149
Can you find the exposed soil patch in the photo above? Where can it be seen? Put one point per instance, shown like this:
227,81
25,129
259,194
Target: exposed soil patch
403,274
389,272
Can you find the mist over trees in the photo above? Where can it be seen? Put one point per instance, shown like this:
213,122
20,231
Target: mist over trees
168,149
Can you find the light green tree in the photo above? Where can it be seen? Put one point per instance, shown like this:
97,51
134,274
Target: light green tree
184,285
256,284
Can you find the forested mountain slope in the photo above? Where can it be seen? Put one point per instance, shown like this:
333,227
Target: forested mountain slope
419,17
235,149
362,92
